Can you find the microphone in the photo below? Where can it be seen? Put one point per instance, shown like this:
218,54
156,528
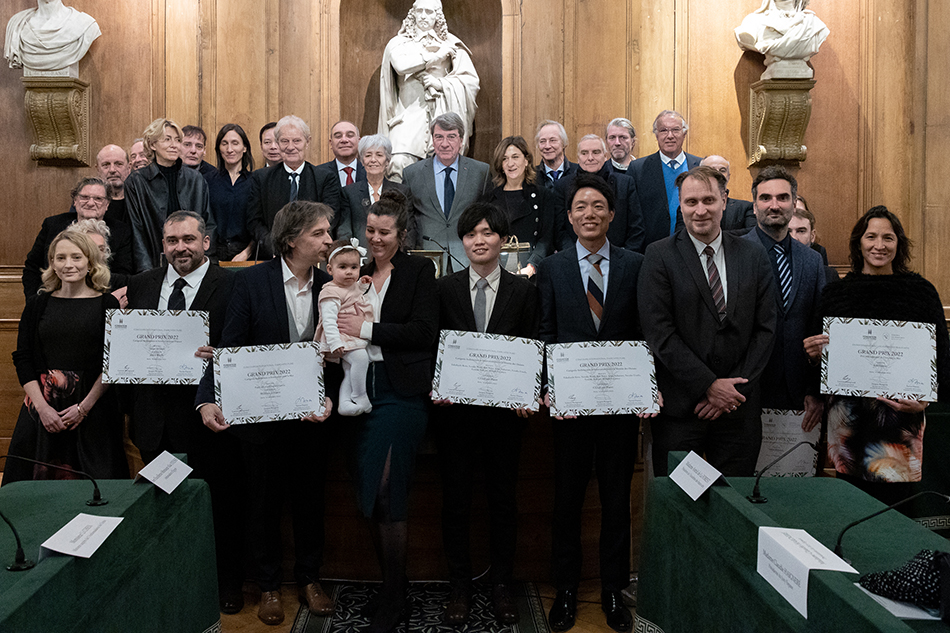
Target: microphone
755,497
96,500
444,250
20,561
838,549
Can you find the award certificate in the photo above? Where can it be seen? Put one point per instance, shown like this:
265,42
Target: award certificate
601,378
870,358
782,430
488,369
264,383
154,347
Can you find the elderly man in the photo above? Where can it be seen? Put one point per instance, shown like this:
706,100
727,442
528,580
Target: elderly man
193,149
551,139
90,201
138,158
112,165
656,175
344,142
276,302
269,147
443,186
292,179
707,303
739,216
626,229
622,143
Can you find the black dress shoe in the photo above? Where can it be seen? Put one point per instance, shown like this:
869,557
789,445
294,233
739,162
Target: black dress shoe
564,610
503,605
618,615
231,602
458,606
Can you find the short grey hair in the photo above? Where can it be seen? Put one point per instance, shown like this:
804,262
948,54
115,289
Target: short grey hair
592,137
625,124
560,131
99,227
293,120
448,122
670,113
293,219
374,141
181,216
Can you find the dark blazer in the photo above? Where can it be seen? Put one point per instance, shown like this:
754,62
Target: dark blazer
651,189
356,202
120,243
789,375
738,217
532,221
626,229
569,170
360,170
270,191
408,323
515,312
152,407
681,324
565,313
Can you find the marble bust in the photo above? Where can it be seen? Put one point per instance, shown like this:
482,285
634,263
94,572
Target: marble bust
51,37
426,71
787,33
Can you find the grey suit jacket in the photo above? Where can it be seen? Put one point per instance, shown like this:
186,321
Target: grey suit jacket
681,324
473,181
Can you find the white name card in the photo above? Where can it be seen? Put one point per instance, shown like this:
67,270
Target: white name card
80,537
694,475
165,471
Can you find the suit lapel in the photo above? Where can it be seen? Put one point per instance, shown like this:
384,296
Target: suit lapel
618,269
462,183
577,289
734,276
694,264
796,264
502,299
153,289
276,287
428,179
464,298
206,289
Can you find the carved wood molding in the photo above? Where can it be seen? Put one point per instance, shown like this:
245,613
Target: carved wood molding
58,111
778,117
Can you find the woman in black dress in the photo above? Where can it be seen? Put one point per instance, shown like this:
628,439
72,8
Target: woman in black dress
68,417
228,187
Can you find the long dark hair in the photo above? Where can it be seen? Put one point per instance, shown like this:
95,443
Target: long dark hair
247,161
901,257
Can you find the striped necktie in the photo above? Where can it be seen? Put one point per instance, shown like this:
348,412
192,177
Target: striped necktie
784,274
715,283
595,289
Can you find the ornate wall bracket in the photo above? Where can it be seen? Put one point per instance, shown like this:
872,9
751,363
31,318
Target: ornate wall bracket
778,117
58,109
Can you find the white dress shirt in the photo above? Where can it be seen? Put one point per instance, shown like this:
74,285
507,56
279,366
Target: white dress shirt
586,266
719,257
342,174
299,304
491,290
375,299
190,289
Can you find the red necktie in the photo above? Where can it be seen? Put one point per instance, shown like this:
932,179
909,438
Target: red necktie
349,175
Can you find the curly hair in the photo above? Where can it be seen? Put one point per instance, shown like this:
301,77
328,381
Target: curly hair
409,29
98,275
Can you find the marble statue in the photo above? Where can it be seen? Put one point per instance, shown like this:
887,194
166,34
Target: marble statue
51,37
787,33
426,71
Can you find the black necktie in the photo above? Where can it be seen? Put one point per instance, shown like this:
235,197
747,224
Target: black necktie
294,188
177,299
449,190
784,274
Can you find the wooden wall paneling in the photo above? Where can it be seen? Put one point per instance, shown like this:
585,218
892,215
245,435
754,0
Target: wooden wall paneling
543,64
157,84
329,80
296,66
182,95
656,72
511,59
599,84
208,37
272,76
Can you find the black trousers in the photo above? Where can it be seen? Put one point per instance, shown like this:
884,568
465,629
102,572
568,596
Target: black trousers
609,445
471,437
730,444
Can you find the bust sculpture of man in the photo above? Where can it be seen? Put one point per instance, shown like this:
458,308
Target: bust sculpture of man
426,71
48,38
787,33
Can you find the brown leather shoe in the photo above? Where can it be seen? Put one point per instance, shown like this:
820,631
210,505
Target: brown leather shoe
317,600
456,611
503,605
271,611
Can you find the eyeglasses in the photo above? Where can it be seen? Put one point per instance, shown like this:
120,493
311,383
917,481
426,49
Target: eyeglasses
97,199
675,131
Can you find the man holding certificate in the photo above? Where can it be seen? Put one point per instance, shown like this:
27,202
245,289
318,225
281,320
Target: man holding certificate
273,303
708,307
589,293
482,298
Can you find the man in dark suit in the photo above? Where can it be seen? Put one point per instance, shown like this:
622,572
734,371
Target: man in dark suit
655,176
589,293
344,141
707,305
551,139
276,302
739,216
626,228
621,139
90,201
443,186
293,179
789,381
163,417
468,435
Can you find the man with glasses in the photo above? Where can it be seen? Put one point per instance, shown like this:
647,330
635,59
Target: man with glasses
90,201
656,176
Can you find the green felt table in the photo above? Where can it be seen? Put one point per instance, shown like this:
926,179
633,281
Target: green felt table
155,572
698,562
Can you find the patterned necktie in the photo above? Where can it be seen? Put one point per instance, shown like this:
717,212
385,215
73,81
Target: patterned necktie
784,274
554,175
481,307
449,191
349,175
176,301
715,283
294,189
595,289
673,165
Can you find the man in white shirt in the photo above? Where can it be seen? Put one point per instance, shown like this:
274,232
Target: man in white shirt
344,141
551,139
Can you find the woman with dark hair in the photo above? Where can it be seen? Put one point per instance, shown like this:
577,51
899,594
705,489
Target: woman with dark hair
877,443
227,189
68,418
528,204
401,341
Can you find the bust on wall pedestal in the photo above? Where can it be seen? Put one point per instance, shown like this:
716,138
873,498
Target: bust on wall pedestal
49,38
787,33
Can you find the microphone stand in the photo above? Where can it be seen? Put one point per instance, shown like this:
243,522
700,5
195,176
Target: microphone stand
96,500
20,561
445,250
838,549
755,497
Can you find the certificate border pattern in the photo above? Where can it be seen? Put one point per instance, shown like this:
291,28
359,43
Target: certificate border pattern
799,475
444,334
862,393
254,419
654,389
107,346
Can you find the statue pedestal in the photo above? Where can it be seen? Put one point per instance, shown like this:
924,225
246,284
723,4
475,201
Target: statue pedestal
58,109
778,116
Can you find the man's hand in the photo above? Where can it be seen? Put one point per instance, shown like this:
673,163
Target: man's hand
814,345
205,351
659,399
814,408
905,406
212,417
547,403
721,397
327,409
119,294
350,324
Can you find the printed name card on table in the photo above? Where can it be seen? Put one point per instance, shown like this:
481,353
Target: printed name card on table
80,537
694,475
165,471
